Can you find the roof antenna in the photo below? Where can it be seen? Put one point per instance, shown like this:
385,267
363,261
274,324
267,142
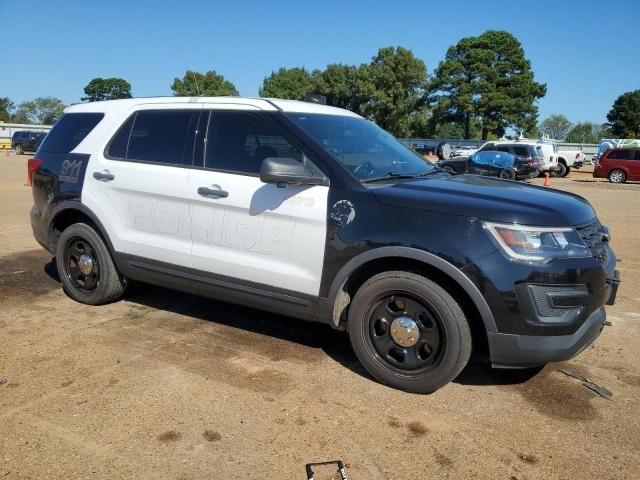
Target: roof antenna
194,75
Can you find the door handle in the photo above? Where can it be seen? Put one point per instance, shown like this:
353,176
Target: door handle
212,192
104,176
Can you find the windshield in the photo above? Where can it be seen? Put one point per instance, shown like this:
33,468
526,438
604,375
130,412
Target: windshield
363,148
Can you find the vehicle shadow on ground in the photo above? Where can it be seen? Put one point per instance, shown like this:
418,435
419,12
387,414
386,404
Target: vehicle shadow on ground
314,335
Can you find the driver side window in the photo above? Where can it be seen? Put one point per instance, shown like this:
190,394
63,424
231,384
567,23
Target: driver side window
238,142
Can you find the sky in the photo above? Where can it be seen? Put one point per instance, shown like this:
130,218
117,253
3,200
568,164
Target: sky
586,51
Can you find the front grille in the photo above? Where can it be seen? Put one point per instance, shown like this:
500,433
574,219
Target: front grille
595,237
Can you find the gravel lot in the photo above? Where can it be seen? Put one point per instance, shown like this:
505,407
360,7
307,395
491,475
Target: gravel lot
166,385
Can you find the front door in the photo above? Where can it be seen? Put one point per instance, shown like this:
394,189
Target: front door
264,237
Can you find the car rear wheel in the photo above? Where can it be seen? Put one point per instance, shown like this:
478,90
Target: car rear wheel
507,174
85,266
617,176
19,150
561,171
408,332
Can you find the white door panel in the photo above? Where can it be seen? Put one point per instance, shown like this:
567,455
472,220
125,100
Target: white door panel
144,209
259,232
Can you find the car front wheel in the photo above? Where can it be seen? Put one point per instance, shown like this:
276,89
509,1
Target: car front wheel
19,150
408,332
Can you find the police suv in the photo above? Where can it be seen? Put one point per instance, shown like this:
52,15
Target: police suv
315,212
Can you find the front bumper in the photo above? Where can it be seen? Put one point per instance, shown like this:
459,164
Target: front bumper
522,351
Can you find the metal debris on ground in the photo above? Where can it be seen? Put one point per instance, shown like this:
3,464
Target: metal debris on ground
3,381
341,470
603,392
573,373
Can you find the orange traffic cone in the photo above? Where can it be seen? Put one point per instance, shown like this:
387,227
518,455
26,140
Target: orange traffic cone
546,179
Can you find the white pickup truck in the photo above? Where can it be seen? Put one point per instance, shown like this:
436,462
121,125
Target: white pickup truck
568,159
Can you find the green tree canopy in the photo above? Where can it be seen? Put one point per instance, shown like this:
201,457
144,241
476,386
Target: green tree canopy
587,132
556,126
6,106
41,110
488,78
394,84
624,116
341,85
290,83
106,89
196,84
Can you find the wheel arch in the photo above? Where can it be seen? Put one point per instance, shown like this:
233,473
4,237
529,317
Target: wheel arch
352,275
69,212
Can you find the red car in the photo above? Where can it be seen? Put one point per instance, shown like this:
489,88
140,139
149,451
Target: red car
619,165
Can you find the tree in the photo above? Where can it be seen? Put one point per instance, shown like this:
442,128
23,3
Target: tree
624,116
587,132
290,83
556,126
394,84
196,84
487,78
42,110
6,106
342,85
106,89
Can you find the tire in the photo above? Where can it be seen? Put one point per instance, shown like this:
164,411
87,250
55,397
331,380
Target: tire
562,170
507,174
377,313
617,176
443,150
19,150
80,245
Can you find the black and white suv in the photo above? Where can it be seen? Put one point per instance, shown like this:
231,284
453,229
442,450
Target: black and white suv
315,212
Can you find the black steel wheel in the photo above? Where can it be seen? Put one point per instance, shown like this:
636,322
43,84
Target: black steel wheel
405,332
81,265
408,332
86,269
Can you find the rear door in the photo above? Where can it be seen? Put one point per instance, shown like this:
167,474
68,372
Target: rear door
137,184
245,232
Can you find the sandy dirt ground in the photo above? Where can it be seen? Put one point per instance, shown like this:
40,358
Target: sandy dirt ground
165,385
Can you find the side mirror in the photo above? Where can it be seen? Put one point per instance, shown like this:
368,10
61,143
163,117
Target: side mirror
283,171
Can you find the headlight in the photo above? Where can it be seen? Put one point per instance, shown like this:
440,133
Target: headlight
537,244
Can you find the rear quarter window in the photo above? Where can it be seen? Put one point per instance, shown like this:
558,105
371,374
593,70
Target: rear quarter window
620,154
69,131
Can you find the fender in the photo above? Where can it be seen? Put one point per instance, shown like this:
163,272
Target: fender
420,255
81,207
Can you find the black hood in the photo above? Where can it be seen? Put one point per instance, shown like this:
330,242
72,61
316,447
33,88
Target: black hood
488,199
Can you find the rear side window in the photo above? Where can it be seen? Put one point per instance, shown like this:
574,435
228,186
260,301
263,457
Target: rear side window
488,146
637,154
539,152
521,151
240,141
158,136
69,131
620,155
